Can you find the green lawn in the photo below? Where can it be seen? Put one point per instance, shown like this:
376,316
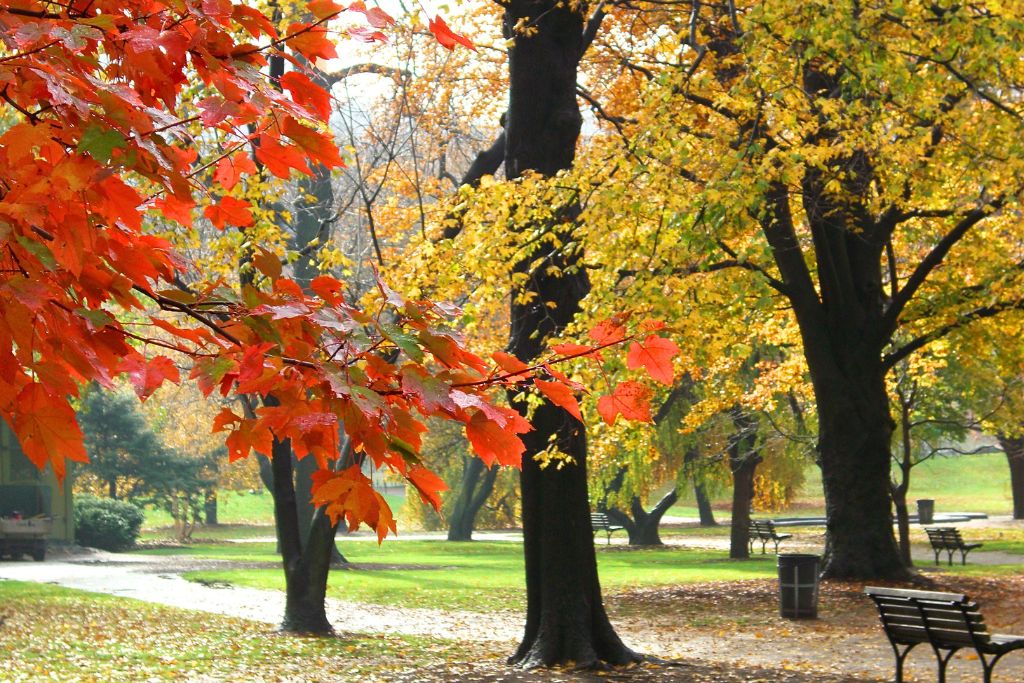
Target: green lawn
58,634
241,515
964,483
475,576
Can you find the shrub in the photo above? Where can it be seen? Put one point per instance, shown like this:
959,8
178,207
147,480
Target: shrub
106,524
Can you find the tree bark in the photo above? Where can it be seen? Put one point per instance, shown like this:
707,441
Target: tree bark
643,526
1014,449
476,486
565,616
854,439
704,511
899,489
210,508
305,569
743,462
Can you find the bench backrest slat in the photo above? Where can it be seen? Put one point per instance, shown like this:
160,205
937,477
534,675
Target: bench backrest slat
943,619
945,536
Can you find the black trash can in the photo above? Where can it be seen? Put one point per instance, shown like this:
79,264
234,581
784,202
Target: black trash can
798,585
925,511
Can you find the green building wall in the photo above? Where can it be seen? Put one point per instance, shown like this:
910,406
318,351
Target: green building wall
26,489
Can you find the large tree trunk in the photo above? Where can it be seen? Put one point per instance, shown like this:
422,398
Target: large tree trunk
704,511
565,616
476,486
1014,449
643,526
855,431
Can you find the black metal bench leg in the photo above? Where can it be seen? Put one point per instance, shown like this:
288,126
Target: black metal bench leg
764,543
943,661
988,665
937,556
777,547
900,657
950,553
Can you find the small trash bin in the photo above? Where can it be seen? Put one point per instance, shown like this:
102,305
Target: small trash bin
925,511
798,585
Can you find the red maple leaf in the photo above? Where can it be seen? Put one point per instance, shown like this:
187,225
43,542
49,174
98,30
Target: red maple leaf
46,428
493,443
630,399
561,396
655,354
448,38
230,211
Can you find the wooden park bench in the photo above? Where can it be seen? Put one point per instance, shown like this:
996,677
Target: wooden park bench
764,531
946,621
600,522
947,538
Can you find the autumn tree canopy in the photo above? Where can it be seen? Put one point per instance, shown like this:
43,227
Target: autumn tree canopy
99,142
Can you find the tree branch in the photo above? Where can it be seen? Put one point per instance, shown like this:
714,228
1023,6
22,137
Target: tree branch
902,352
931,261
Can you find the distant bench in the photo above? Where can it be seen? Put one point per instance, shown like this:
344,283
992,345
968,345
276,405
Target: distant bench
948,539
946,621
600,522
764,531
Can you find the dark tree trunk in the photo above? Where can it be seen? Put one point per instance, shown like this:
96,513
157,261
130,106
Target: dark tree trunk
304,470
565,619
311,223
210,508
855,430
305,565
898,490
476,486
707,515
903,525
565,616
743,462
1014,449
112,488
843,335
643,526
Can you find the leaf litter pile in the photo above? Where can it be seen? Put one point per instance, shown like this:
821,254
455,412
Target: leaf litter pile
727,632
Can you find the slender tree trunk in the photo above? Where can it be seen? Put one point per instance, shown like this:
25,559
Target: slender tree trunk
476,486
903,525
643,526
210,508
743,462
565,616
1014,449
112,488
899,489
305,569
704,511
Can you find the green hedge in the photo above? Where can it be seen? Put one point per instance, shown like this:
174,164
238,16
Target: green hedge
106,524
